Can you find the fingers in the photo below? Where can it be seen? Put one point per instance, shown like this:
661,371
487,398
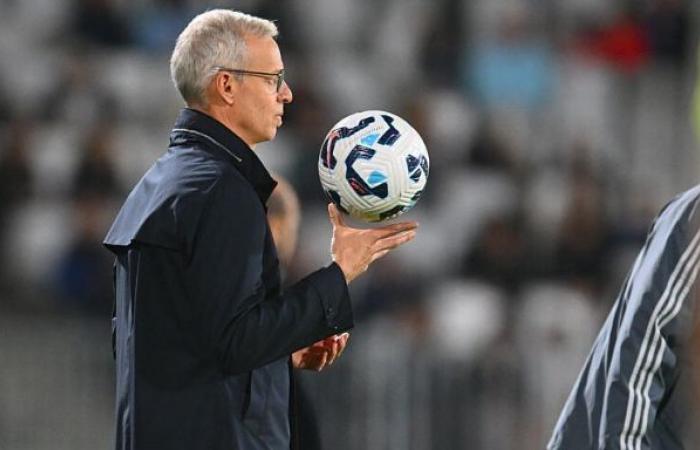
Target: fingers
395,228
383,246
334,350
335,216
298,359
321,362
320,344
316,359
338,342
379,254
321,354
394,240
311,358
343,343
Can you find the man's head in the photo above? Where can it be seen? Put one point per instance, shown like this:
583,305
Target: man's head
227,64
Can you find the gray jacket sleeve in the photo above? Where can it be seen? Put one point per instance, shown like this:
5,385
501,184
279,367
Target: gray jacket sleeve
631,374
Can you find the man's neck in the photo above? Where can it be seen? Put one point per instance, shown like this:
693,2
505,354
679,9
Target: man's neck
217,114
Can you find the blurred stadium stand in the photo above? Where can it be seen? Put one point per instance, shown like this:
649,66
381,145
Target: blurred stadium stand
556,130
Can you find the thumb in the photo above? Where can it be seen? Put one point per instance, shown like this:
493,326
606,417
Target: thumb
334,215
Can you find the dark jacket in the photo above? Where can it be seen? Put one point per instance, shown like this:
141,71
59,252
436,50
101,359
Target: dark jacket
633,391
202,331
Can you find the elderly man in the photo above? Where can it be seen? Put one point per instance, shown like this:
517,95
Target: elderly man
203,332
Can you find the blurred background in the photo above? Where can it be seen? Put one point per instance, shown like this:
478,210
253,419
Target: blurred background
556,129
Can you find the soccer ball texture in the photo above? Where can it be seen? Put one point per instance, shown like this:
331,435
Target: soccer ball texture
373,165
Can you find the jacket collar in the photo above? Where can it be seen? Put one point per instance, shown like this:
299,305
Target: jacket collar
224,144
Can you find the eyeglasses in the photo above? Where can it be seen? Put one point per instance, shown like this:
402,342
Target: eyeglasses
279,75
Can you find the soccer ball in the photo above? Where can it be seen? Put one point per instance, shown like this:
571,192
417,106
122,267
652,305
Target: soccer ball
373,165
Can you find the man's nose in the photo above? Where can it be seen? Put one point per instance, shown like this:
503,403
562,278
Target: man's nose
285,94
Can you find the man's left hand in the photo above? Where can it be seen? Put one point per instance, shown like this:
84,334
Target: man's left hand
321,354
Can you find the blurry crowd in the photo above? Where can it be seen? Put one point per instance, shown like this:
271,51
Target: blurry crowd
556,131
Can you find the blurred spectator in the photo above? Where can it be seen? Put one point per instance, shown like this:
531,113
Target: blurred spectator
309,120
284,17
284,217
75,95
668,30
391,290
100,22
491,151
156,25
15,169
514,69
83,276
623,43
16,181
444,42
581,247
96,174
500,255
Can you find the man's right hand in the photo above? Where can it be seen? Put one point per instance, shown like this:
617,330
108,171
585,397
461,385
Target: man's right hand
355,249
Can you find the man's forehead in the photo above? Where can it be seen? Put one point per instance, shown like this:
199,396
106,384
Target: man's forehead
263,48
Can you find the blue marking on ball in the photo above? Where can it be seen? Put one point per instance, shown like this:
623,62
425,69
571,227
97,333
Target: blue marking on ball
354,179
370,139
376,178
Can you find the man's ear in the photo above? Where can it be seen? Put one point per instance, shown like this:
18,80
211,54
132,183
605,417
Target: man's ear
226,87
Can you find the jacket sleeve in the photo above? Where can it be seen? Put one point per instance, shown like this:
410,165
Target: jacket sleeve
653,326
628,391
634,393
242,326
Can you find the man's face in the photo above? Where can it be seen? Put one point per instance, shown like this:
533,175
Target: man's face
258,107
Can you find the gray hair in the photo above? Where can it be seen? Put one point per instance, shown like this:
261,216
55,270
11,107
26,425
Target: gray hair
213,39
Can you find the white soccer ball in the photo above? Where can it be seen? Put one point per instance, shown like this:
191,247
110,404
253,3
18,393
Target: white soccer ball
373,165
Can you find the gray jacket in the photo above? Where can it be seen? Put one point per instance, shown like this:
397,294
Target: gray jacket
632,392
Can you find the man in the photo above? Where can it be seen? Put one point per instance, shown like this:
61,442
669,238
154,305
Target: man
633,392
284,216
203,332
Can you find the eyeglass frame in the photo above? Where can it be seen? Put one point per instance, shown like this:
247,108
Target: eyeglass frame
279,75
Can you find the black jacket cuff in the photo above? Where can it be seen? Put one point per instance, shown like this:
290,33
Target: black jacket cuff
332,290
